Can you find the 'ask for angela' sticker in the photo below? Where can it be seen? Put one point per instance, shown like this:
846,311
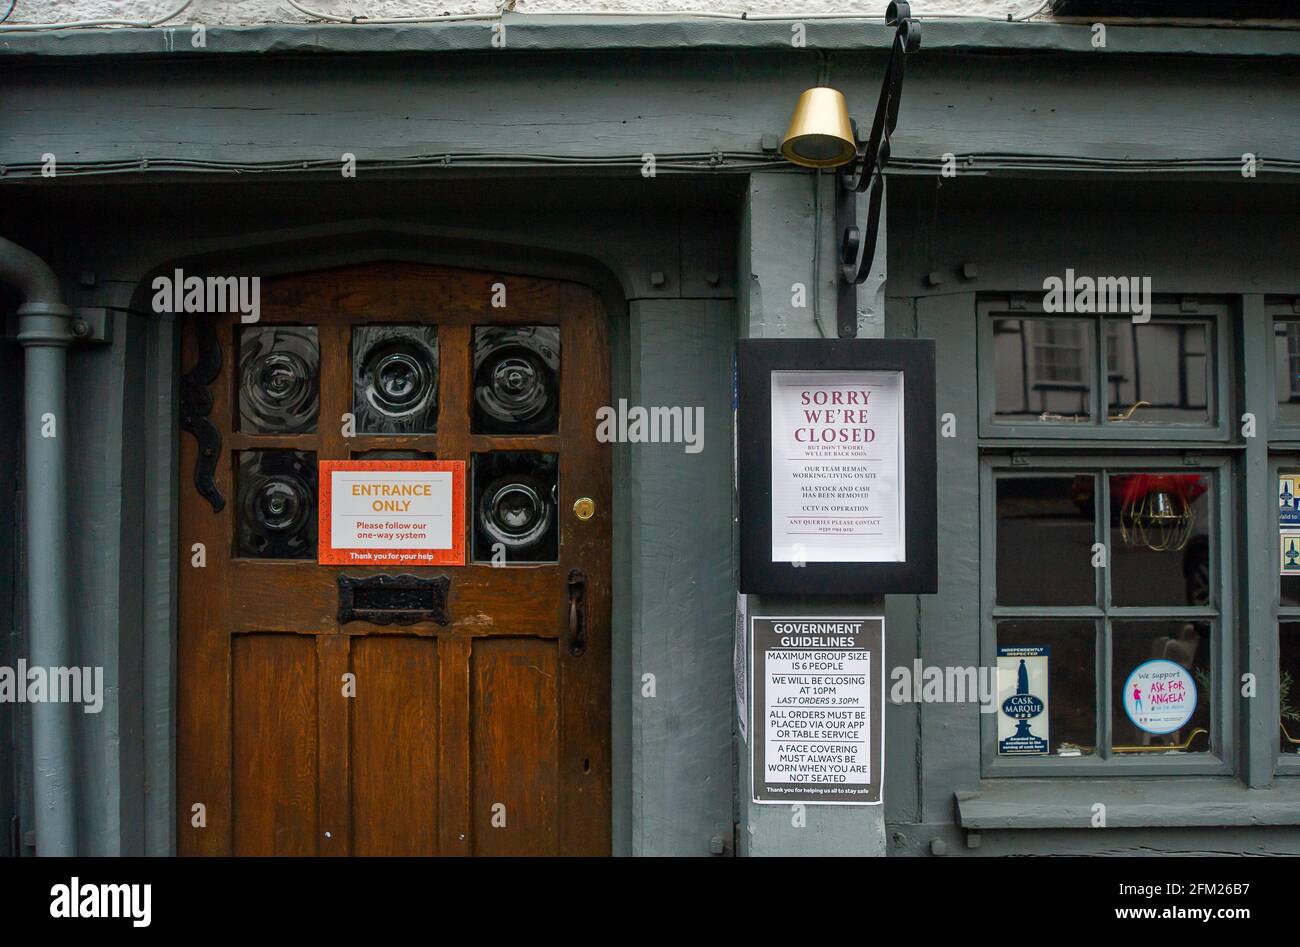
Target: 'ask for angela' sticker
1160,696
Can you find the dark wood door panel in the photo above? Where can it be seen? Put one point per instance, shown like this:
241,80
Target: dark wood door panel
303,597
400,292
274,745
394,742
515,723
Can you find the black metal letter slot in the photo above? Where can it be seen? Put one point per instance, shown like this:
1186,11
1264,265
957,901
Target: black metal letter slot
393,599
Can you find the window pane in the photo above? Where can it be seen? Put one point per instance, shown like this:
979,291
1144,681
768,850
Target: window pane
395,379
1044,536
1157,372
1286,370
1072,680
1288,523
1161,687
1160,538
516,379
1288,695
1043,369
279,379
277,504
515,496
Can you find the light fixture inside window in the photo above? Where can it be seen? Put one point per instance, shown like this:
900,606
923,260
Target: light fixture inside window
1157,510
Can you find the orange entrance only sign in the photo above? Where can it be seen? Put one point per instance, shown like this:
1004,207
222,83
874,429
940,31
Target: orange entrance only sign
392,512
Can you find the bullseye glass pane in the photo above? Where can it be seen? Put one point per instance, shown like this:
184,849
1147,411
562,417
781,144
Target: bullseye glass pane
277,504
515,516
279,379
516,379
395,379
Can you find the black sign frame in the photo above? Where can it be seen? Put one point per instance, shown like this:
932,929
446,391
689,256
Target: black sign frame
756,360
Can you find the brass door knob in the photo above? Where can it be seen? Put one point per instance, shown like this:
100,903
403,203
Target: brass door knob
584,508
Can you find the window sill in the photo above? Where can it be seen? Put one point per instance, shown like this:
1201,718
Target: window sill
1130,803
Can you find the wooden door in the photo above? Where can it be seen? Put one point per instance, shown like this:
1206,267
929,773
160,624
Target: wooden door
487,735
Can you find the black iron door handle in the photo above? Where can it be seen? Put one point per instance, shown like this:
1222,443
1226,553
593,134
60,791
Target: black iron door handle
577,612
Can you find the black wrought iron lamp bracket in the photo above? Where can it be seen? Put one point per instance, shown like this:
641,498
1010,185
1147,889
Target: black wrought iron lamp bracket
866,173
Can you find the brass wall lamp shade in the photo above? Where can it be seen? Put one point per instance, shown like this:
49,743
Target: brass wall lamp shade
821,135
821,132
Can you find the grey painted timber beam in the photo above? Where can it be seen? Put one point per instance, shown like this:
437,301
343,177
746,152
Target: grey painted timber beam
695,111
1129,803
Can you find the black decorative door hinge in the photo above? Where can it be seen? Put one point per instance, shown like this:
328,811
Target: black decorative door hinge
196,405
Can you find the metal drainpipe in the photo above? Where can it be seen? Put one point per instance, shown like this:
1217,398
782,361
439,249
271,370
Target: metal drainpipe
45,332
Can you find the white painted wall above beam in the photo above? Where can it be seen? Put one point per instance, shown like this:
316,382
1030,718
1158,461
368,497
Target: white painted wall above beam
249,12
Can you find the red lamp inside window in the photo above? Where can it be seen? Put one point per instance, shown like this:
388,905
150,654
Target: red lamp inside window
1156,509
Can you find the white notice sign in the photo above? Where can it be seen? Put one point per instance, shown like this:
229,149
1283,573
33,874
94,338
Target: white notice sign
419,517
818,699
811,737
392,512
837,466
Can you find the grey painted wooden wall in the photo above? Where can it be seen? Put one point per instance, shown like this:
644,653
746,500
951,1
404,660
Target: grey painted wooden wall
681,597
